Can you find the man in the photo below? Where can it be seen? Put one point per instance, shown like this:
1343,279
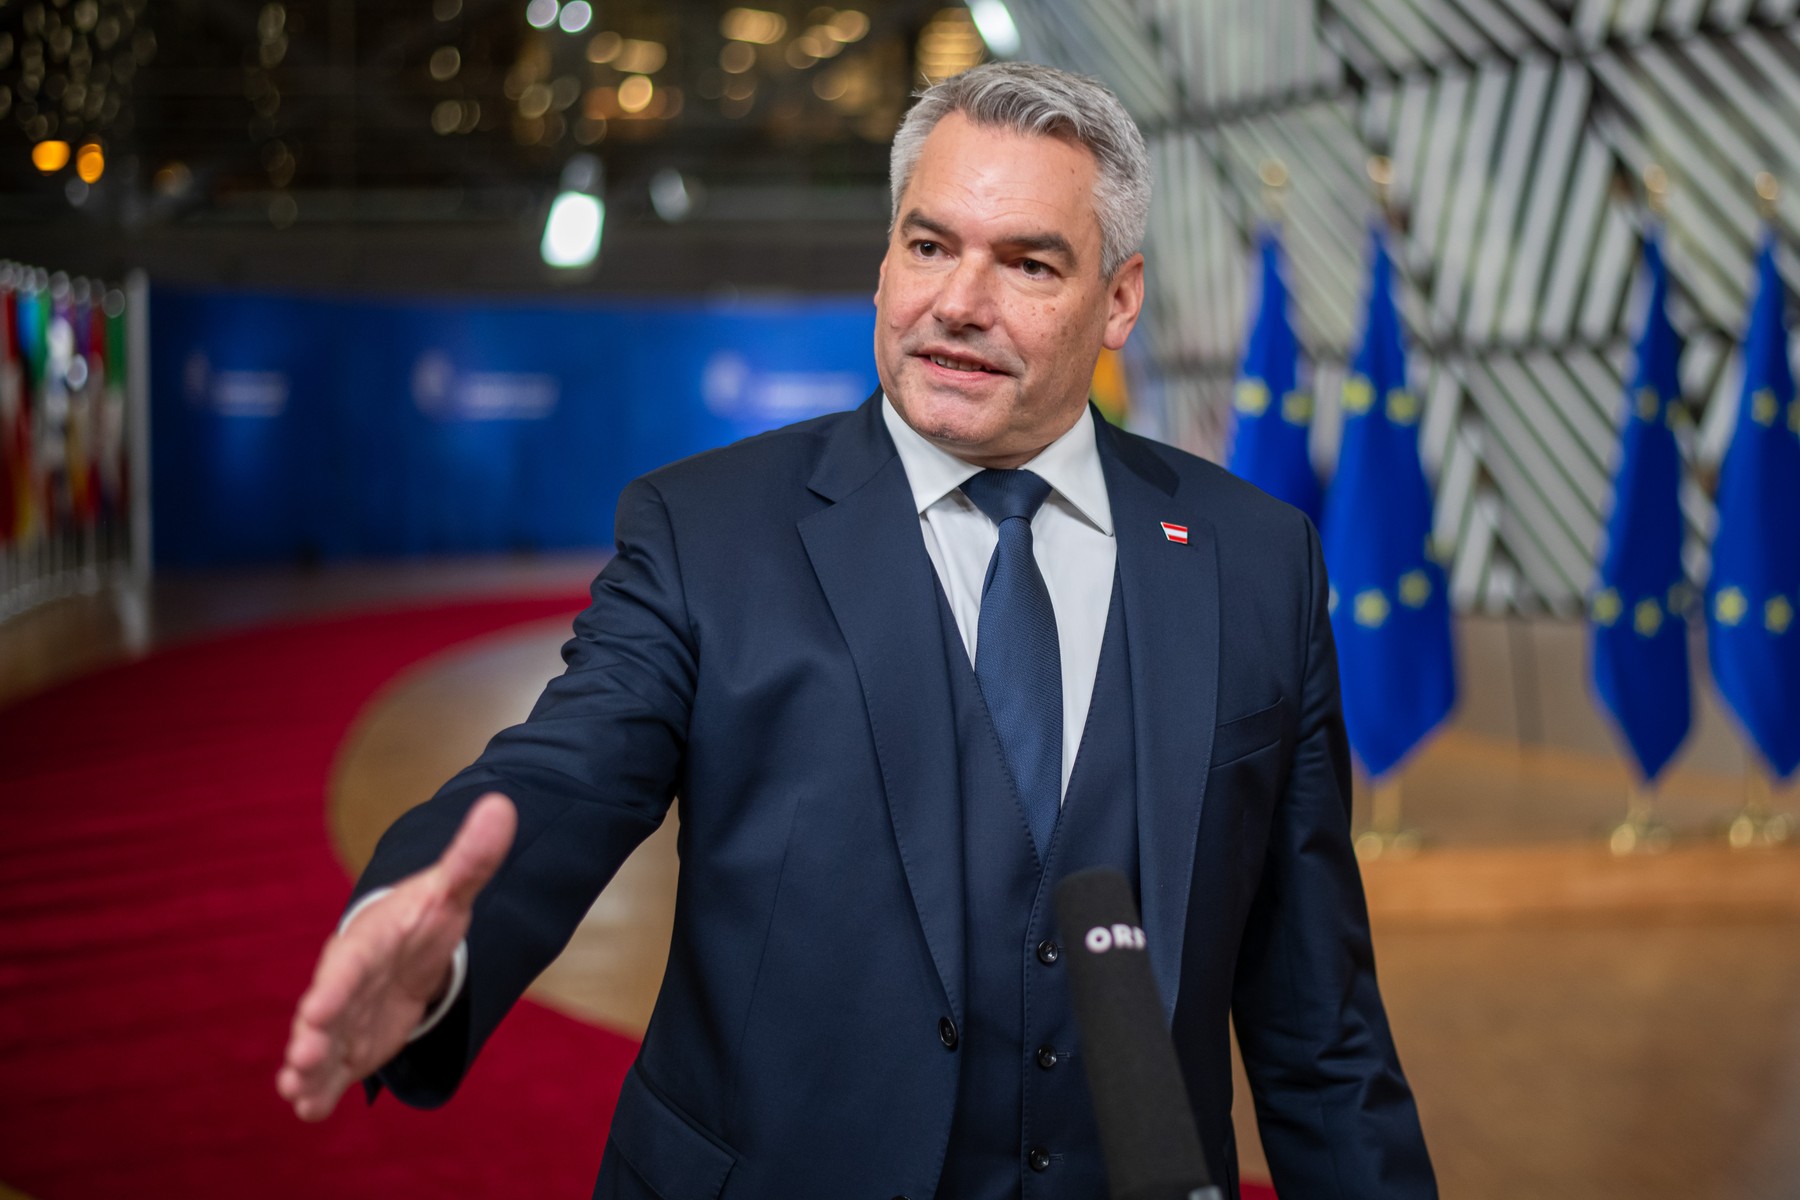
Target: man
902,687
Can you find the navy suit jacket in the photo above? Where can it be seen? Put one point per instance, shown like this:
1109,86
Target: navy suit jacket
765,645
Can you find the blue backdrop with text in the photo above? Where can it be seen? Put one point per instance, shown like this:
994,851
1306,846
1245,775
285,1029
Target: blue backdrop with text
289,427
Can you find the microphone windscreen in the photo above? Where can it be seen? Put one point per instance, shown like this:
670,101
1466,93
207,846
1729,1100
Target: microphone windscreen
1140,1102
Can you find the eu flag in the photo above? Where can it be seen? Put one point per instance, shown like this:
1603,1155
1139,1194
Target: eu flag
1755,586
1390,604
1274,416
1639,606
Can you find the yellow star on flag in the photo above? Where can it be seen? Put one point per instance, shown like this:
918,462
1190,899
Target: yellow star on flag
1647,617
1729,606
1252,397
1778,614
1415,589
1359,394
1648,404
1402,407
1371,608
1763,407
1794,416
1296,408
1607,607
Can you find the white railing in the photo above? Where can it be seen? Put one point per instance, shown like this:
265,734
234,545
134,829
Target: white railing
74,439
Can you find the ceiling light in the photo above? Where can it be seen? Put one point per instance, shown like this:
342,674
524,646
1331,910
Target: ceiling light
90,162
996,25
540,14
737,57
575,16
639,57
753,25
671,195
848,25
604,47
635,94
50,156
577,216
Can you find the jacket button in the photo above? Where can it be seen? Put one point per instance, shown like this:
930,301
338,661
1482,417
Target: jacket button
1046,1057
1048,952
947,1032
1039,1159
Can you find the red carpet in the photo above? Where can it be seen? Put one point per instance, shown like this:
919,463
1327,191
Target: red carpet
165,881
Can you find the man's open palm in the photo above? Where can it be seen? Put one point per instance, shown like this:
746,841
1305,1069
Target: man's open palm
376,977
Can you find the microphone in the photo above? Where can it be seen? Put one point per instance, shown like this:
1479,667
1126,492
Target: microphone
1147,1129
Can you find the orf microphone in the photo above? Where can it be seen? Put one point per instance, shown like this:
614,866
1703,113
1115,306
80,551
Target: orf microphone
1146,1124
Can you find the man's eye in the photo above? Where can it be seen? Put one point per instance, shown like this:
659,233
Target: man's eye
1034,269
926,249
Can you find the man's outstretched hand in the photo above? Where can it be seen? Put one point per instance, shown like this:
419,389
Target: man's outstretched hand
375,979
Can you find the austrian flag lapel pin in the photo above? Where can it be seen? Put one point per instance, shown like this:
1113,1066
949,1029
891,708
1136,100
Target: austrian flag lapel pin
1175,533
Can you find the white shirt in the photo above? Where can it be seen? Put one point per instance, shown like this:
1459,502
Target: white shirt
1071,538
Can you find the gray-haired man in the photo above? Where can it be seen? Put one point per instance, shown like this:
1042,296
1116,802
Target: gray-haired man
906,668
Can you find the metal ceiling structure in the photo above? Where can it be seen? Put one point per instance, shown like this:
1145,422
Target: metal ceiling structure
1517,130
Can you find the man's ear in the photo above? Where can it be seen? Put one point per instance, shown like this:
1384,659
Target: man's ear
1126,301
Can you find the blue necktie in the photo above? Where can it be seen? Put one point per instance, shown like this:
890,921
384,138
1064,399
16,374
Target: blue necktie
1017,660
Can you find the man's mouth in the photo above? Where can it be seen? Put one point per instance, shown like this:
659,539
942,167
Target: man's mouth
953,363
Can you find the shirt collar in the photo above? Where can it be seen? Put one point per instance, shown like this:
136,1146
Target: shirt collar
1070,465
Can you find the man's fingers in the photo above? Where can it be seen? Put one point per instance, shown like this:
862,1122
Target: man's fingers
480,846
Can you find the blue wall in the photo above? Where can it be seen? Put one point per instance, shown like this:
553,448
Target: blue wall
286,427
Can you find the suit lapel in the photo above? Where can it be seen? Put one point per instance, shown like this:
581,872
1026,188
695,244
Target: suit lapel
1172,619
870,559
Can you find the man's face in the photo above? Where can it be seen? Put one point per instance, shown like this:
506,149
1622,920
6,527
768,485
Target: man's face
991,309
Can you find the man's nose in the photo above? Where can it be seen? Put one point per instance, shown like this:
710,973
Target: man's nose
966,297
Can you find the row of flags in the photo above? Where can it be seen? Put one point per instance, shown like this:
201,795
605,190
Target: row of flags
63,464
1643,602
1390,603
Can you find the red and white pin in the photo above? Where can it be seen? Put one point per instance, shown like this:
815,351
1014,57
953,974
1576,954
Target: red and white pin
1175,533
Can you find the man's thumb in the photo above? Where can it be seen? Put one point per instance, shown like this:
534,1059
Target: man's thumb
480,846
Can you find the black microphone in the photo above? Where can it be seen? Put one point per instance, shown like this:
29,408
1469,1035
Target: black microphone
1146,1123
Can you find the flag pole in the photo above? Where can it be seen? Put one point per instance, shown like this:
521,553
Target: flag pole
1274,176
1757,824
1640,832
1386,836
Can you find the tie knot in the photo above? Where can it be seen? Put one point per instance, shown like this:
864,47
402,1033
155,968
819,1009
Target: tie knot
1003,495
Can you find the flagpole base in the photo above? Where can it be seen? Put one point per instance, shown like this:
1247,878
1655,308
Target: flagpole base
1752,831
1757,825
1386,836
1638,835
1372,844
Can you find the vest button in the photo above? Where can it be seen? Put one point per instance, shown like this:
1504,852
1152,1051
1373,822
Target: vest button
1048,952
947,1032
1039,1159
1046,1057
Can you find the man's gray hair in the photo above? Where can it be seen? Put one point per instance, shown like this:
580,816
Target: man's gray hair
1030,98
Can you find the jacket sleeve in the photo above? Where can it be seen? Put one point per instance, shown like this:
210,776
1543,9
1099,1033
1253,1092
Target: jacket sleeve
592,772
1335,1112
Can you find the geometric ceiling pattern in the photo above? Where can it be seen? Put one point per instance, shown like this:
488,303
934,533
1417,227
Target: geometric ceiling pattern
1518,131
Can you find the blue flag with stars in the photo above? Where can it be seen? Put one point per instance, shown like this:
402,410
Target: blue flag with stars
1274,417
1753,640
1639,606
1390,604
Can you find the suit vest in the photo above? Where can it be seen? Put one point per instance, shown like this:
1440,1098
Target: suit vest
1024,1125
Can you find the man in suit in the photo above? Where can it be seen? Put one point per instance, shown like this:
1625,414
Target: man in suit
905,668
